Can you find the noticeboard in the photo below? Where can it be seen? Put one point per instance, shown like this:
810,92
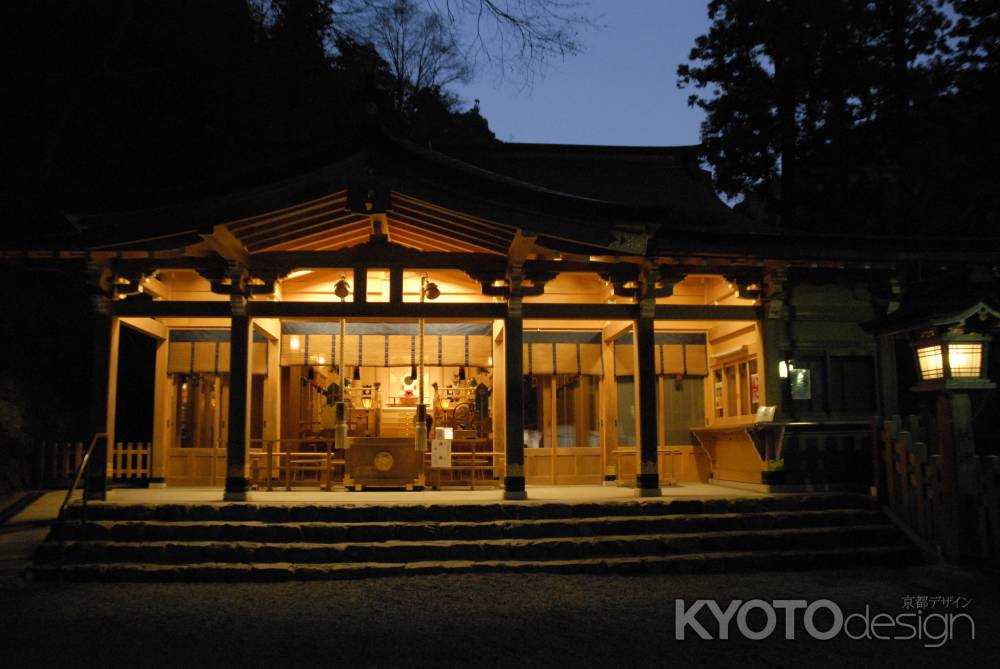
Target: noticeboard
441,447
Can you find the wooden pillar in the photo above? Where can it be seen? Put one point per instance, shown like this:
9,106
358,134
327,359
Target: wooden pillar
959,476
360,284
609,397
396,285
237,442
888,404
647,480
888,383
772,335
513,482
109,425
270,328
272,390
161,416
498,397
100,415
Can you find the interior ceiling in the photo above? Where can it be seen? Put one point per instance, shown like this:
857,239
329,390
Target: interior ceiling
325,224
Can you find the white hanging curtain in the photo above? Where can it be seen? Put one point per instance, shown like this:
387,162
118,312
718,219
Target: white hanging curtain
577,353
207,352
676,353
387,344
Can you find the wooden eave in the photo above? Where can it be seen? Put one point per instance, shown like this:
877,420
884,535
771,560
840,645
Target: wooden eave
458,215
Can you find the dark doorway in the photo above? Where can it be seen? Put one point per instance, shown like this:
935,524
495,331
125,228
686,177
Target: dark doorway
136,380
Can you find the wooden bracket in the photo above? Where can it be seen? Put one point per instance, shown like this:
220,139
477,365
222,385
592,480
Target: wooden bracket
748,283
225,243
520,247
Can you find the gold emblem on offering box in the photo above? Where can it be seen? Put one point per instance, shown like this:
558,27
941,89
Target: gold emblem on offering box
383,461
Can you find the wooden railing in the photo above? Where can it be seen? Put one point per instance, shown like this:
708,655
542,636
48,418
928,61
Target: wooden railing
831,453
916,492
131,460
74,478
473,462
308,461
56,462
315,462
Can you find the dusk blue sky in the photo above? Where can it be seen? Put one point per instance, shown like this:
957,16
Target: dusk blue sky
621,91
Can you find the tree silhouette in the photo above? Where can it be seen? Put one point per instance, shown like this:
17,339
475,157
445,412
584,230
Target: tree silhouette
123,105
422,50
837,116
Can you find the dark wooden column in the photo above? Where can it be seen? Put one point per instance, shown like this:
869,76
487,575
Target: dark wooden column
888,384
963,508
513,337
773,336
647,480
360,284
97,469
888,405
237,484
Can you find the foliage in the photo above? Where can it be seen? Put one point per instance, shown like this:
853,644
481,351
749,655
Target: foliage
514,37
124,104
422,51
46,357
847,115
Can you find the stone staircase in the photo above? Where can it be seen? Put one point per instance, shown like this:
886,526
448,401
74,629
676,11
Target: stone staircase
278,542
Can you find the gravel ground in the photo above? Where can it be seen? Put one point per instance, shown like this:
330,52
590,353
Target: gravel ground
526,620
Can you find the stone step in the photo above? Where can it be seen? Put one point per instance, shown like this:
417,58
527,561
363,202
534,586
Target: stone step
880,555
529,510
329,532
552,548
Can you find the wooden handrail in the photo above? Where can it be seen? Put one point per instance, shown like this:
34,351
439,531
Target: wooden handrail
61,517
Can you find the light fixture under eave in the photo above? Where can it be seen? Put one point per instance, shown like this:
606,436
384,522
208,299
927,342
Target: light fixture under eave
952,360
432,291
294,344
342,289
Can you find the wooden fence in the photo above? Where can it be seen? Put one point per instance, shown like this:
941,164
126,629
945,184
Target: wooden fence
959,524
57,461
131,461
829,454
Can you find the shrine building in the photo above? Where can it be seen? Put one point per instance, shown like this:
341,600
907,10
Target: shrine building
503,315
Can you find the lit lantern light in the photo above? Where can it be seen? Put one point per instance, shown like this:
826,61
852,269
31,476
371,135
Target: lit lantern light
294,343
431,290
366,401
445,402
342,288
952,360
